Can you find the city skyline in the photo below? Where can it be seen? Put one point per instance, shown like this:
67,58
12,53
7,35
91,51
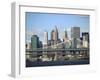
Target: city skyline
56,39
75,42
38,23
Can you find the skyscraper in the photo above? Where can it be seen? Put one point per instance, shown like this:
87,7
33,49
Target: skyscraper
64,35
85,37
45,37
35,41
45,44
75,36
54,34
75,32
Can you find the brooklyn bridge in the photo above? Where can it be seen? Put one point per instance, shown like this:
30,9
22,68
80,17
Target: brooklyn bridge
53,55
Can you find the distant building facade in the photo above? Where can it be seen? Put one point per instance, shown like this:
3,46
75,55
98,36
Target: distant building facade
35,41
54,37
54,34
75,36
85,37
45,43
65,36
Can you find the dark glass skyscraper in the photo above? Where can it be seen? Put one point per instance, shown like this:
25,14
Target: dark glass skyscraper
35,41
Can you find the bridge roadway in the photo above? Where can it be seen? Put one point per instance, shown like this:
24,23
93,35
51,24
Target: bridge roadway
57,50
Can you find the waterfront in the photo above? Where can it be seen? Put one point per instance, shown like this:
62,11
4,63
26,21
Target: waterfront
56,63
53,57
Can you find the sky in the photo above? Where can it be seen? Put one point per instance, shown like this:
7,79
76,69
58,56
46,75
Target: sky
37,23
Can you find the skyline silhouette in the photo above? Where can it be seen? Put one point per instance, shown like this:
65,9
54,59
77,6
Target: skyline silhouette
37,23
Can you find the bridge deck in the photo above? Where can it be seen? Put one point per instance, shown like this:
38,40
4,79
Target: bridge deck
53,50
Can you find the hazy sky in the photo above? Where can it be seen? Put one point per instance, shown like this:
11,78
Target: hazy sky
37,23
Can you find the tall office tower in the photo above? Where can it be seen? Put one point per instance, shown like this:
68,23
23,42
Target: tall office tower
45,39
65,36
35,41
75,32
75,36
85,38
54,34
40,44
66,41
